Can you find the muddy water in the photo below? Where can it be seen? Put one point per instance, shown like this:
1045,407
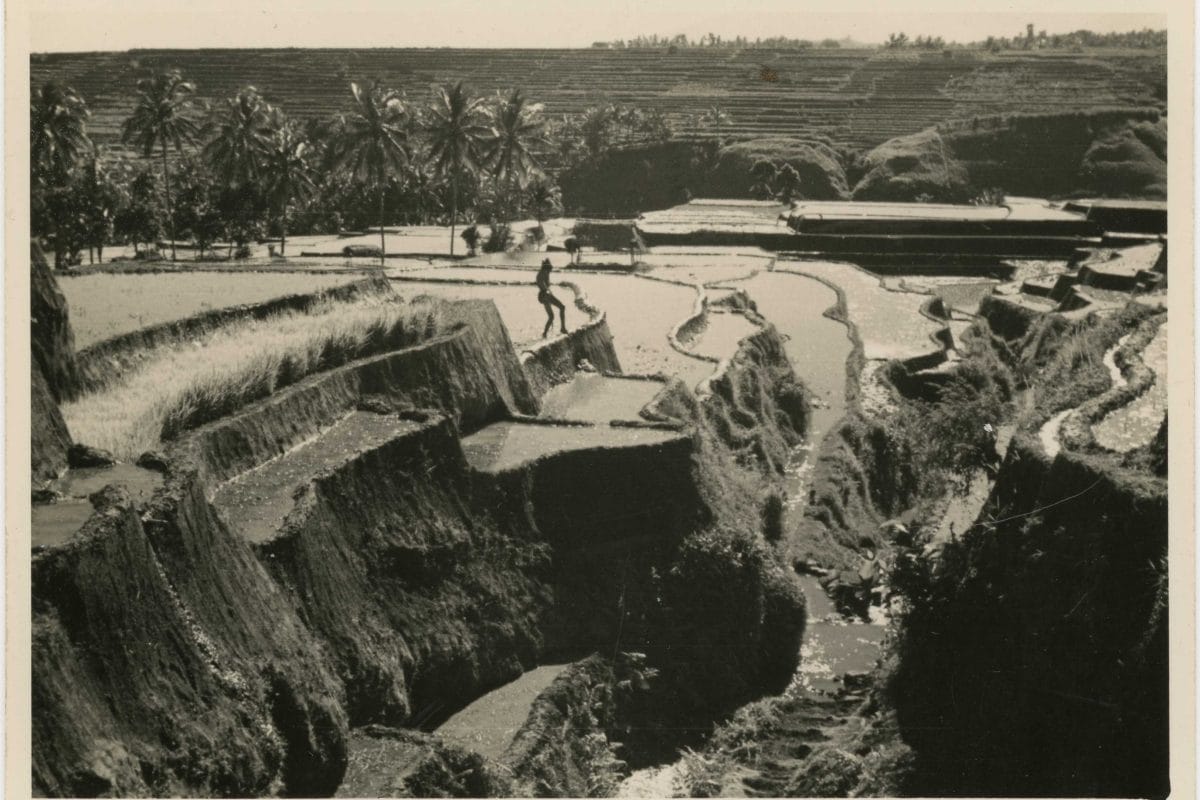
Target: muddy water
56,523
817,345
488,725
600,399
833,645
518,305
721,334
506,445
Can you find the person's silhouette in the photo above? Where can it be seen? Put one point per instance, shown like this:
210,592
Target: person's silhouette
548,300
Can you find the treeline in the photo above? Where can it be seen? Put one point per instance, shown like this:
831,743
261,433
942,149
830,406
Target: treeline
1028,40
681,40
243,171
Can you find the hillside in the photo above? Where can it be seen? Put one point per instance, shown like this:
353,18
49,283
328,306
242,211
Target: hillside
857,98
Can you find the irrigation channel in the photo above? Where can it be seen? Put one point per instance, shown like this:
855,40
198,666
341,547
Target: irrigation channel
642,313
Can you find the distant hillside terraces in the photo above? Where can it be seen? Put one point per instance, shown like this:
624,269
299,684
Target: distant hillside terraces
856,98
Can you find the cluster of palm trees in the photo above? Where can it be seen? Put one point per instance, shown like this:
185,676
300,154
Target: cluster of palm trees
223,168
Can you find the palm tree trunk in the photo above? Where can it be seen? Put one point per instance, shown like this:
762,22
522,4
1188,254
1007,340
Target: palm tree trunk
382,244
453,210
167,187
283,233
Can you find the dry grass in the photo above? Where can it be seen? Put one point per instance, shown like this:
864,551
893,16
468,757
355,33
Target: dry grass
104,305
186,385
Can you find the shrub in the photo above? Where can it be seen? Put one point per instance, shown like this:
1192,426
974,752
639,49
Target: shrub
501,238
362,251
470,235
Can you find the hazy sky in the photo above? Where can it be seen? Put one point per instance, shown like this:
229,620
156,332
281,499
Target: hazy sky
111,25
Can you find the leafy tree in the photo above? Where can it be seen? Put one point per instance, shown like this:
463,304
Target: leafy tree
456,136
595,128
287,172
57,141
163,116
101,197
787,183
544,199
764,172
372,144
197,212
139,220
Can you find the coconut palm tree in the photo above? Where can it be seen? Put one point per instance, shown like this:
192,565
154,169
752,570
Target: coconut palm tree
516,126
163,116
457,131
372,144
286,171
240,138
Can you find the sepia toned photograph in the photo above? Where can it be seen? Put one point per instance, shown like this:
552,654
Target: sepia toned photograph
463,399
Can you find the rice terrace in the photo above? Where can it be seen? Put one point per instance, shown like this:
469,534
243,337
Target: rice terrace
670,417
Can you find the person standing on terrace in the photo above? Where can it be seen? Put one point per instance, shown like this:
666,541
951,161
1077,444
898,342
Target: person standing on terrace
548,300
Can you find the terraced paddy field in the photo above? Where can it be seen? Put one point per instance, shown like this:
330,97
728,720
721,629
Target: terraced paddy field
257,502
507,445
517,303
599,398
488,725
641,313
1135,424
858,98
721,334
105,305
889,322
817,345
57,522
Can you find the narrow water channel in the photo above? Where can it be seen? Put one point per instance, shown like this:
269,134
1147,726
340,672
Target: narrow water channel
818,348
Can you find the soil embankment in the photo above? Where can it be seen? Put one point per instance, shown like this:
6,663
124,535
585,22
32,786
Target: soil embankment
334,554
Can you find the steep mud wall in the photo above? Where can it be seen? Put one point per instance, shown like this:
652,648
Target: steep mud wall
49,438
610,515
105,362
562,749
1037,663
556,361
421,602
401,583
755,403
54,372
50,332
131,693
470,374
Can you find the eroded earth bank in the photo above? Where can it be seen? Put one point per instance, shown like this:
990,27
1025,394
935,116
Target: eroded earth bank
788,527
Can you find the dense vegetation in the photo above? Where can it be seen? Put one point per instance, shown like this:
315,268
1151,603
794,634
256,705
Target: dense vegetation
244,170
